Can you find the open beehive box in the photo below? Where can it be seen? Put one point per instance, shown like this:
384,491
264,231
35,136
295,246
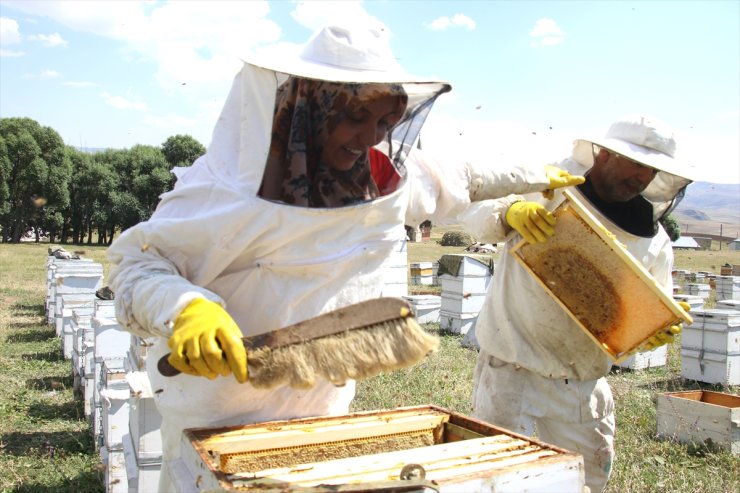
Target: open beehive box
404,449
611,296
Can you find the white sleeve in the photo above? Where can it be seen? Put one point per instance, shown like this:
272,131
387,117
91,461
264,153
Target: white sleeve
441,191
149,289
662,268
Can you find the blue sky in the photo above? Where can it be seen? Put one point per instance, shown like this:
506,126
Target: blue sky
528,77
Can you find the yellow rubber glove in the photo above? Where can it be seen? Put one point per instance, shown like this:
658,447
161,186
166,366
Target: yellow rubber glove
667,336
206,342
531,220
559,178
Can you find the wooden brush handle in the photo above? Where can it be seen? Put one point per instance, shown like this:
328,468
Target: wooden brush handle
165,368
360,315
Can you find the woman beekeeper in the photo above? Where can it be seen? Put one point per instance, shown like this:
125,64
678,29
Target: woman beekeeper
281,220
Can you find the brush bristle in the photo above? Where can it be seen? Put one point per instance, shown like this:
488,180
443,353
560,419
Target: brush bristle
354,354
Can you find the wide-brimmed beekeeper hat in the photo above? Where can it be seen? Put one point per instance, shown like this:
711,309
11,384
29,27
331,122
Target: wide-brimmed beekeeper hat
643,139
650,142
342,54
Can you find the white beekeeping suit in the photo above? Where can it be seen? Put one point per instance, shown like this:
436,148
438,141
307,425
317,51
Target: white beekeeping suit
269,263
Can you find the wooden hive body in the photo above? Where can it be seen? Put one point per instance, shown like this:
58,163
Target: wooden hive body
372,451
698,416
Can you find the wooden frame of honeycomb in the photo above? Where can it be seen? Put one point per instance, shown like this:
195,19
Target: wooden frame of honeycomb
608,293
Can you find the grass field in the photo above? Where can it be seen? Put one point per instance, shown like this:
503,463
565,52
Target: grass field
45,444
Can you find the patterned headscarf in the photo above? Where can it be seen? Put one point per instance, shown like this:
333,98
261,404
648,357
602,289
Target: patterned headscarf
306,112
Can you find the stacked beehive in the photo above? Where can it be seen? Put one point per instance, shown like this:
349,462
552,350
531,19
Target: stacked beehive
710,347
425,306
728,287
396,272
108,370
422,273
464,280
698,289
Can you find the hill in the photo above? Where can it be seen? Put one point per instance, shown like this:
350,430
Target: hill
710,208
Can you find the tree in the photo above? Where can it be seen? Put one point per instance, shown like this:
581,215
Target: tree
150,178
671,227
182,150
37,177
90,191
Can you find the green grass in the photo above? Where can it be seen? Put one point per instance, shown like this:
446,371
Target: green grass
46,446
45,440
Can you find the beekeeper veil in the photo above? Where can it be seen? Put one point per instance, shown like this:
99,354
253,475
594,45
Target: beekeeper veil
273,132
651,143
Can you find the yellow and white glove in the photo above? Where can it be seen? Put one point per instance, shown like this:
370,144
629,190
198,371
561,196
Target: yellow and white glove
559,178
531,220
667,336
206,342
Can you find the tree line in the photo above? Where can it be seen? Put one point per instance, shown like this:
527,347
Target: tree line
72,196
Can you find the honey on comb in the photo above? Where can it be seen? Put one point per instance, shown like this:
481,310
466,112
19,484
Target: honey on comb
581,286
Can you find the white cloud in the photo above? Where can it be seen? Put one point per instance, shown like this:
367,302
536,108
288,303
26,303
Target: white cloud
546,33
72,83
123,103
9,32
457,20
315,14
49,40
193,42
44,74
10,53
49,74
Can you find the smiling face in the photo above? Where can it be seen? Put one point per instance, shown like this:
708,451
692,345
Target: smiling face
617,178
361,125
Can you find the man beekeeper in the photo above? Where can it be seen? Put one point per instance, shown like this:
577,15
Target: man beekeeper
536,367
282,220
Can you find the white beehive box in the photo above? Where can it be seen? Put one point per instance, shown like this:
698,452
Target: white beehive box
457,323
603,288
728,304
144,420
86,279
701,290
75,323
396,272
105,308
112,377
700,416
422,273
728,287
462,304
714,330
114,411
425,307
464,285
708,367
142,478
115,480
110,340
55,266
643,360
694,302
67,303
376,449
